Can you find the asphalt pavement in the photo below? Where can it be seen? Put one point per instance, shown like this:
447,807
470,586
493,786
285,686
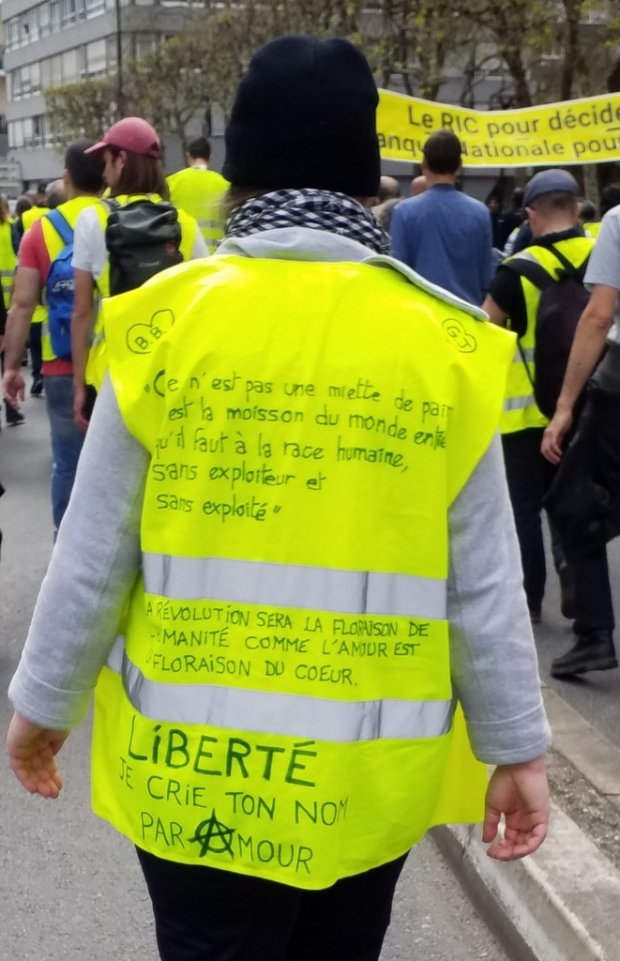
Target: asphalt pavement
70,887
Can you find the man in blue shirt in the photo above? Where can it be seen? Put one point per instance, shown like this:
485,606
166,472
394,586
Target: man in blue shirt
443,234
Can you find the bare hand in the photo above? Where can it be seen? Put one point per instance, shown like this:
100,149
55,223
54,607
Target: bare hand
79,400
520,793
31,750
13,387
554,435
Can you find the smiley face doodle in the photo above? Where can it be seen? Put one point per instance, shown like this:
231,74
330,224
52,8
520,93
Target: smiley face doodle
464,342
142,337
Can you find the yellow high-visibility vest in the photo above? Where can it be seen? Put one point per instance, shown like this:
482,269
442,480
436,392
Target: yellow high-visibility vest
97,363
30,216
199,192
520,408
280,703
8,262
54,245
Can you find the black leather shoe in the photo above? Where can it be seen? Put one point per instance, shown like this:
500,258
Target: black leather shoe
591,652
13,416
37,387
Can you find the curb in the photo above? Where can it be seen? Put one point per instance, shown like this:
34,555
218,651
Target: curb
562,903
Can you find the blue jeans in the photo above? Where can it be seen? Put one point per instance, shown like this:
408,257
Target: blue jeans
67,440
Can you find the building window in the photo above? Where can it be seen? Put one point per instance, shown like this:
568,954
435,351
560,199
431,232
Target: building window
12,33
71,11
55,15
39,128
94,7
15,134
69,66
95,57
45,20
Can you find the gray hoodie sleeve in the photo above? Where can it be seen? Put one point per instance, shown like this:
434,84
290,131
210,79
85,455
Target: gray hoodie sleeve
97,557
493,656
93,567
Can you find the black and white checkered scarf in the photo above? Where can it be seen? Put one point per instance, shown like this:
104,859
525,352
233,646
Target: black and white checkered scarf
317,209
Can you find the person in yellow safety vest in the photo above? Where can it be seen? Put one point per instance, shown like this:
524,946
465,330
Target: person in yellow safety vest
131,151
200,191
281,622
83,183
39,206
551,203
39,317
8,260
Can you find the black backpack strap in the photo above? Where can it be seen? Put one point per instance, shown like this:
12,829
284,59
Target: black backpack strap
569,269
531,270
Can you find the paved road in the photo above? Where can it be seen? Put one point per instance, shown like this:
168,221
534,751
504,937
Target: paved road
70,888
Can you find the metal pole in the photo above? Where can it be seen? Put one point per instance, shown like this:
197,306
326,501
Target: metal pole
119,60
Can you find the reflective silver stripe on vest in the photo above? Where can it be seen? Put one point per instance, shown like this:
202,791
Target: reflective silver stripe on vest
210,224
288,714
519,403
524,353
285,585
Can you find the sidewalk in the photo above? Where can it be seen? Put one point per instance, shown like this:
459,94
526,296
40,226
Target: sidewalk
562,903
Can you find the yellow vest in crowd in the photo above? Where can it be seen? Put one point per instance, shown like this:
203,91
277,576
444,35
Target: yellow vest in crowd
8,262
520,408
97,363
200,192
592,229
54,244
30,216
281,704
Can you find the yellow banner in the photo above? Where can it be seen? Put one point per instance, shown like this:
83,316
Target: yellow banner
572,132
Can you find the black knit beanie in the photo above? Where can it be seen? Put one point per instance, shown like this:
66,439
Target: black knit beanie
304,116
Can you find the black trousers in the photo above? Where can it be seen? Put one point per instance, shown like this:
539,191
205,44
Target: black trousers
529,477
204,914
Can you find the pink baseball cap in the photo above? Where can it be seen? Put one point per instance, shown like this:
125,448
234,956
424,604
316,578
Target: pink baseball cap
130,133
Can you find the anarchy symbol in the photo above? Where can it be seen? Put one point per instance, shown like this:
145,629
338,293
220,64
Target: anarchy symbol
212,835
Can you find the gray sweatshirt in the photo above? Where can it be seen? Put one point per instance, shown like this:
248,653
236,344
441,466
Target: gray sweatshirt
97,556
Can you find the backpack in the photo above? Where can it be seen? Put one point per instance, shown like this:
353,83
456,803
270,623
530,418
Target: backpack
143,238
562,301
60,288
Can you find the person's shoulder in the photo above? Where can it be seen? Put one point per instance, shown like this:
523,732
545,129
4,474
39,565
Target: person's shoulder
217,177
33,233
476,207
92,215
30,244
611,221
407,208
